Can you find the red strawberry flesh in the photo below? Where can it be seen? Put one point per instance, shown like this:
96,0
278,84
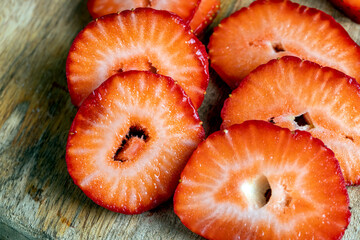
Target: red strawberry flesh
130,141
302,95
204,15
185,9
259,181
270,29
142,39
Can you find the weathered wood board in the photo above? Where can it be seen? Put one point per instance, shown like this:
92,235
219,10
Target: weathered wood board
38,199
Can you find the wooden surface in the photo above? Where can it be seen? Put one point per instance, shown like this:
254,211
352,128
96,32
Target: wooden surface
38,199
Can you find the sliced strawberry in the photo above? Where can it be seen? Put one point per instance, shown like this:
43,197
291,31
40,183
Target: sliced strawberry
130,141
270,29
260,181
185,9
204,16
142,39
303,95
350,7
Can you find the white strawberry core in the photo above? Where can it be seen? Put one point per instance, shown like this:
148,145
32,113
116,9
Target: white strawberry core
257,191
300,122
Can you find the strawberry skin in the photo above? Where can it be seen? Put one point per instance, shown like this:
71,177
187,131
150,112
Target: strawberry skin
143,39
350,7
204,16
185,9
269,29
130,140
287,90
259,181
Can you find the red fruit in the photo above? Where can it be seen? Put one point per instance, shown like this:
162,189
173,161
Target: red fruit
204,16
350,7
270,29
260,181
185,9
130,141
142,39
303,95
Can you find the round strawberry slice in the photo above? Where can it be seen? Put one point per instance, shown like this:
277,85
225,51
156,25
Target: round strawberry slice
259,181
185,9
130,140
302,95
270,29
143,39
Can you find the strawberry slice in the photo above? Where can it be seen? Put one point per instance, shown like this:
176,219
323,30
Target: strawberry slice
204,16
130,141
185,9
260,181
350,7
303,95
270,29
142,39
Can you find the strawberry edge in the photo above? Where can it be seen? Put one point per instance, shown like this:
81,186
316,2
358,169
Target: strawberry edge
90,6
213,12
265,124
191,16
296,7
90,100
348,10
350,80
199,46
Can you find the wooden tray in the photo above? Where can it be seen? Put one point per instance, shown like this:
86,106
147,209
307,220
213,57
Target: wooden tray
37,196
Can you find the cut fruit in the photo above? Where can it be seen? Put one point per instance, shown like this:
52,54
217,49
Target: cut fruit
143,39
204,16
270,29
350,7
130,141
302,95
260,181
185,9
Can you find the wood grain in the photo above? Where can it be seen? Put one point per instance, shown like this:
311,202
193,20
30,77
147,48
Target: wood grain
38,200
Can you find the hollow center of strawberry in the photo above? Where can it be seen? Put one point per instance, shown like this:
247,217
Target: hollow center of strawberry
148,3
152,68
301,122
138,63
257,191
304,122
278,47
132,145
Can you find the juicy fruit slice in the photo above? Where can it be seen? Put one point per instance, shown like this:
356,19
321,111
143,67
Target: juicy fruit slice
130,141
260,181
350,7
185,9
270,29
303,95
204,16
143,39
